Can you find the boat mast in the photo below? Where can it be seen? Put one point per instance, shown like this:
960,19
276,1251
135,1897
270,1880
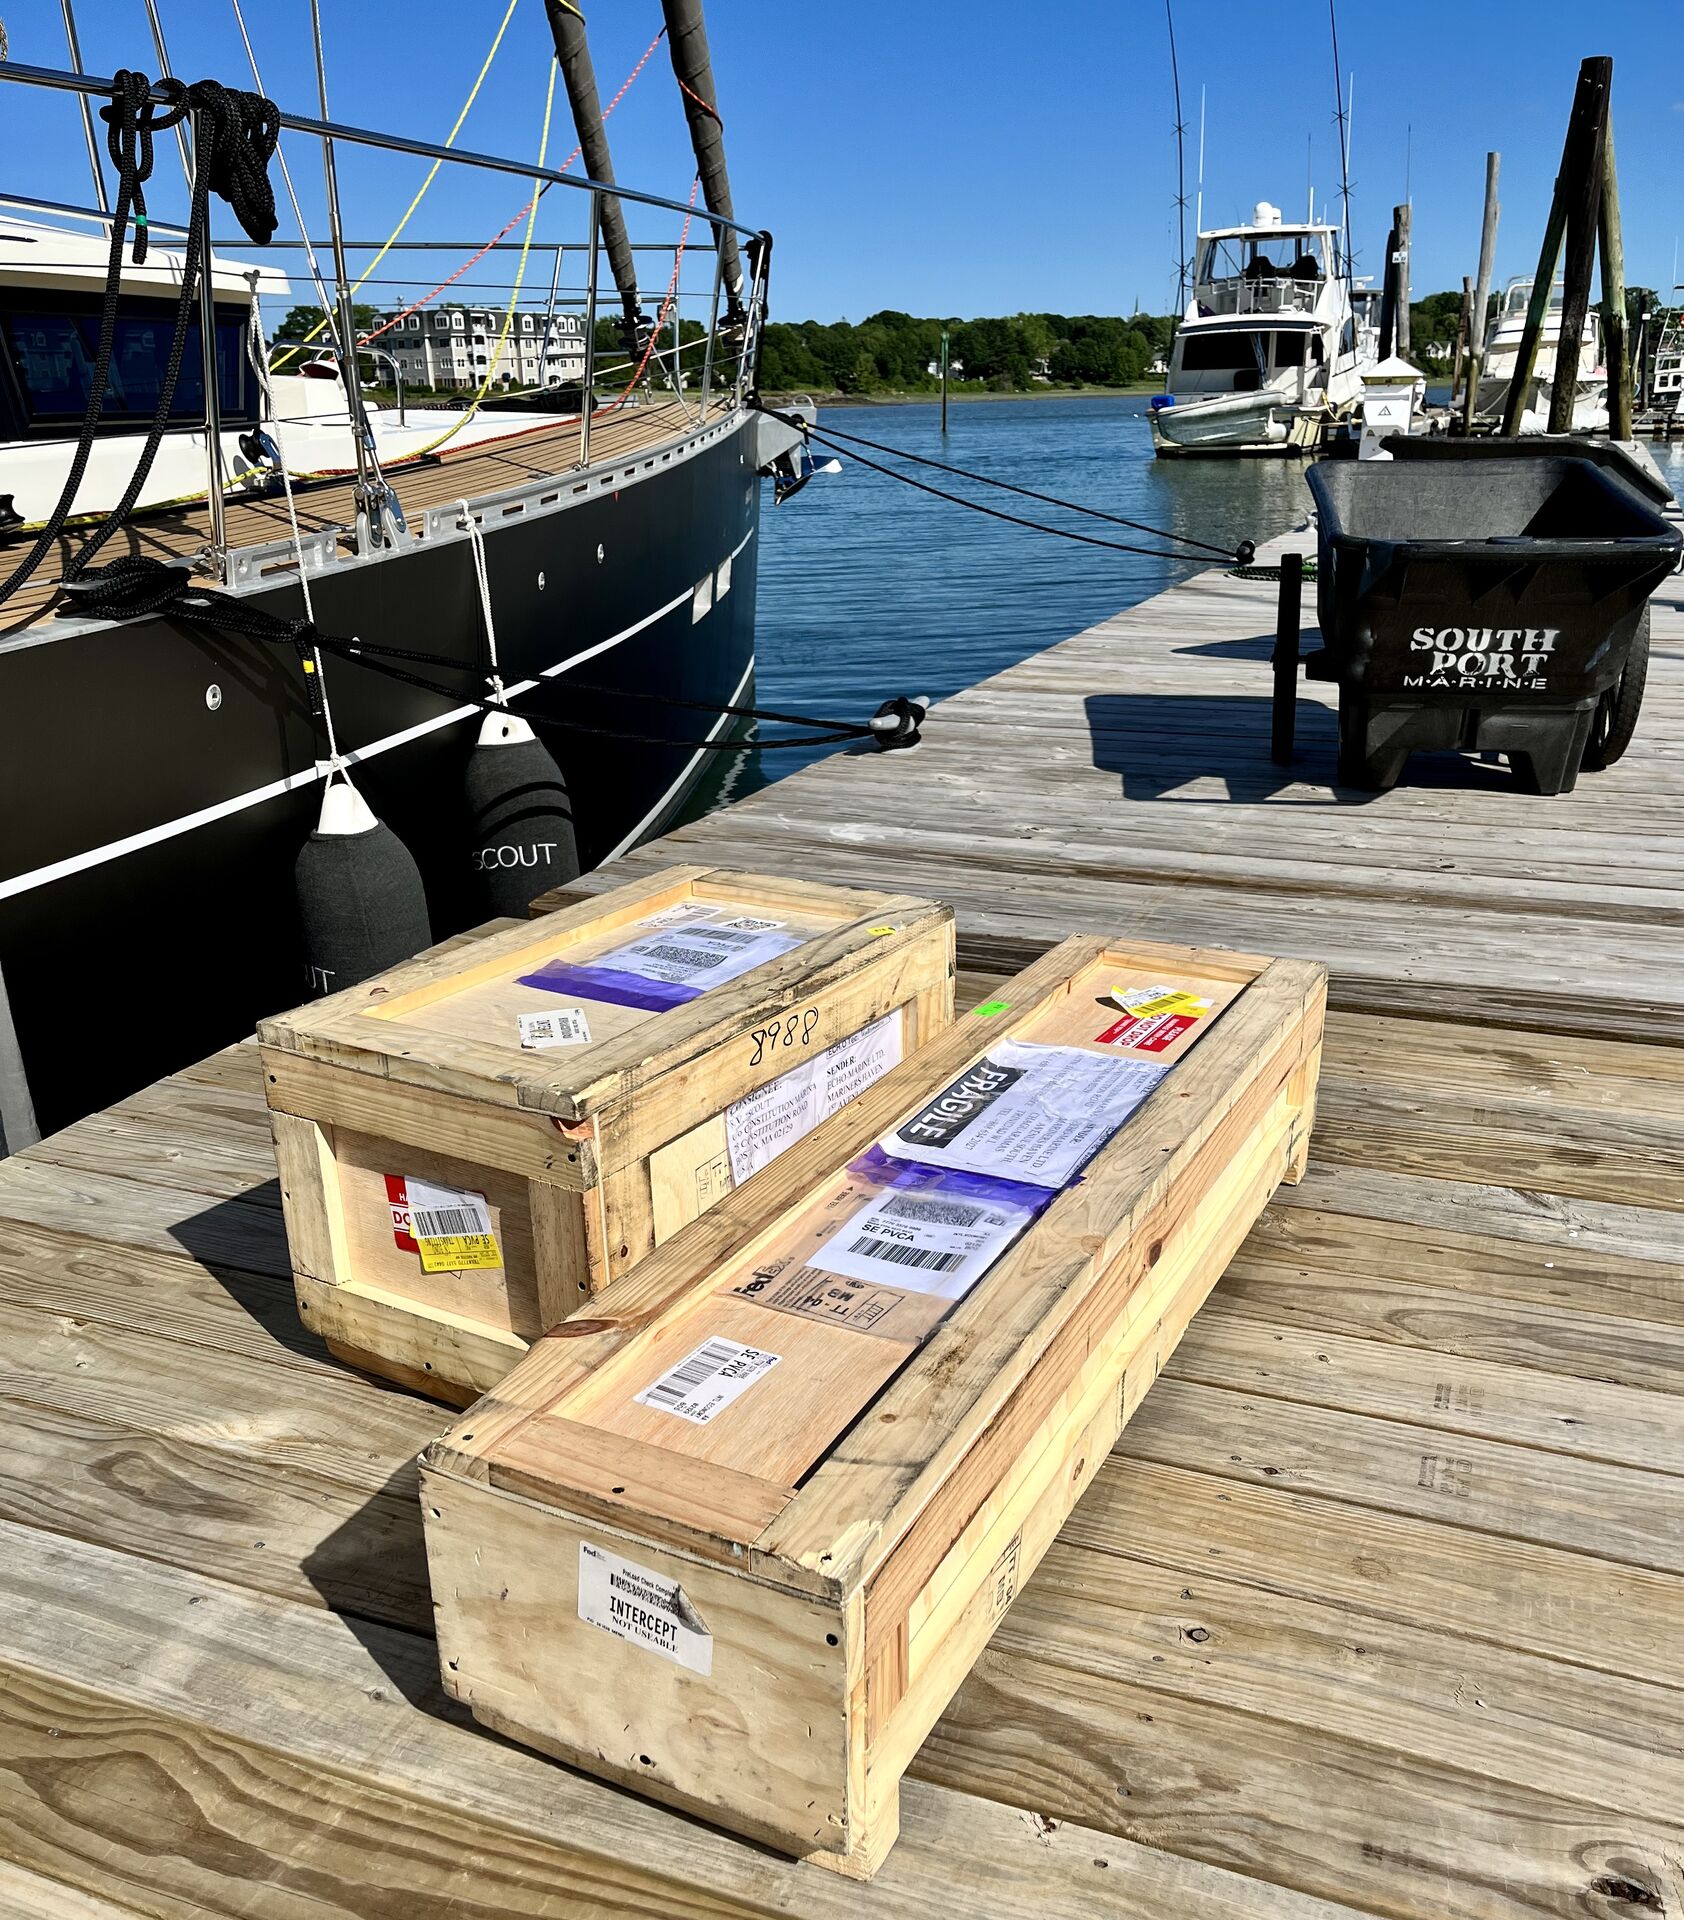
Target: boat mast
687,42
1180,168
573,55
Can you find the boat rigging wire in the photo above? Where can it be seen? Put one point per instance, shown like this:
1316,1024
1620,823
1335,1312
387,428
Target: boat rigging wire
1180,168
832,436
1343,120
450,141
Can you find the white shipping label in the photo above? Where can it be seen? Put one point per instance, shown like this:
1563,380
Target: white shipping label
635,1604
1026,1112
566,1027
705,1382
760,1125
934,1243
449,1227
697,953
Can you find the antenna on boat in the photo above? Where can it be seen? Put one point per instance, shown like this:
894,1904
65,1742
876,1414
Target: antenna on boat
1199,203
87,107
1344,115
1180,168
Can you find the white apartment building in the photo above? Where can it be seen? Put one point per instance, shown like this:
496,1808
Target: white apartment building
459,346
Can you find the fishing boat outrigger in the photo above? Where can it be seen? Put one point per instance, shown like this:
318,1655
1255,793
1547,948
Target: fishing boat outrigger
1266,352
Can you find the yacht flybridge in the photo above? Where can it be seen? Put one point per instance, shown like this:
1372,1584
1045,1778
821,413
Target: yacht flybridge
1266,352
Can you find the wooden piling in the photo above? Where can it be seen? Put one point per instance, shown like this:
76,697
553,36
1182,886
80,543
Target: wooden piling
1588,97
1464,325
1388,297
1584,193
1617,355
1482,289
1400,227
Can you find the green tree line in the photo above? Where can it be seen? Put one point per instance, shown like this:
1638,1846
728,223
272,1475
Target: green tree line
892,352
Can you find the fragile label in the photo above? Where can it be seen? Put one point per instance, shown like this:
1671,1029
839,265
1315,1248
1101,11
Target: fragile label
1156,1017
638,1605
566,1027
449,1227
1026,1112
926,1242
705,1382
760,1125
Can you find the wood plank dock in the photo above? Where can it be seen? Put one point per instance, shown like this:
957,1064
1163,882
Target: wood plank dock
1377,1609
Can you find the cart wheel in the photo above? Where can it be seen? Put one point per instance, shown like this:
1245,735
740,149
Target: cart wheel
1616,711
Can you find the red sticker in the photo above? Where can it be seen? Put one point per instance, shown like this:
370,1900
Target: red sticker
1150,1035
397,1194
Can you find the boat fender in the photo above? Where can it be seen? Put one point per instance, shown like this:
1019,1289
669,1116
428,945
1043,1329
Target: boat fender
520,815
360,899
10,518
896,722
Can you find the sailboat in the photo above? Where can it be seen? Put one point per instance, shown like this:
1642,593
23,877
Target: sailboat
594,570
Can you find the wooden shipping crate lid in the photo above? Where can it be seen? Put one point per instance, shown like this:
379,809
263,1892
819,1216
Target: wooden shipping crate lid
818,1463
450,1021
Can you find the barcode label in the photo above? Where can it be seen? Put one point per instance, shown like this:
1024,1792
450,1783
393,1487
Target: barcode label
747,924
449,1227
945,1213
564,1027
931,1259
706,1381
440,1223
686,956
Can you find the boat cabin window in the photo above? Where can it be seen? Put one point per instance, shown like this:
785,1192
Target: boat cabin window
1282,256
50,343
1213,352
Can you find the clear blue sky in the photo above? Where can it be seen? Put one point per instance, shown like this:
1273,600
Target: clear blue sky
968,160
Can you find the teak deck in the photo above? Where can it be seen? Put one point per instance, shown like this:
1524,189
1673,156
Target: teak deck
533,453
1377,1609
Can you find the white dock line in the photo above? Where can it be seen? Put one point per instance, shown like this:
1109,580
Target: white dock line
224,809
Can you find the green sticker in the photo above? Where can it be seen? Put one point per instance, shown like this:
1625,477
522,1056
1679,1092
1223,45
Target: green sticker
989,1008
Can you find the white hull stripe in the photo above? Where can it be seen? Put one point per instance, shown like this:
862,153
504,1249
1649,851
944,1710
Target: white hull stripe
224,809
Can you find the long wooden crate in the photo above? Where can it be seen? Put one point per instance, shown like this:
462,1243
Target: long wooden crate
452,1189
735,1536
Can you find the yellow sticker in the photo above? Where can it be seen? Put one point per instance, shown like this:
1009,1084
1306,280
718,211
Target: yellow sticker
458,1252
878,932
1150,1001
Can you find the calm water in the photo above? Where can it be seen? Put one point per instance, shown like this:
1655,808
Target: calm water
869,588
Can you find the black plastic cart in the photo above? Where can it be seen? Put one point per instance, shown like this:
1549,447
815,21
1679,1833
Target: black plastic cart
1486,604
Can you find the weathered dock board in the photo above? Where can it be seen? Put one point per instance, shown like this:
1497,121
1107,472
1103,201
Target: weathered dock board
1378,1609
1123,779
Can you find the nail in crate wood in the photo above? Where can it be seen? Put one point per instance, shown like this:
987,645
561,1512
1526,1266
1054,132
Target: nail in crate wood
474,1144
735,1535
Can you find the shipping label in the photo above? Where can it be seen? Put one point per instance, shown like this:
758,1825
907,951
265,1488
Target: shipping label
643,1607
705,1382
669,964
566,1027
760,1125
1026,1112
449,1227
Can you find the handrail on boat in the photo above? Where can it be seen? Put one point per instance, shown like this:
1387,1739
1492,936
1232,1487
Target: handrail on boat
57,78
737,343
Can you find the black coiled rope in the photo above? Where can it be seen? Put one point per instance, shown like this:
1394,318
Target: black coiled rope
235,137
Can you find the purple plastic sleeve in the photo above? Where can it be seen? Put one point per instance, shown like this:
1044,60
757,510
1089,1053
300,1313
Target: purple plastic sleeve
606,983
884,1170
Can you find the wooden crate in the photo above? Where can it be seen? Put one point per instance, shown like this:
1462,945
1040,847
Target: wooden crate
758,1615
564,1166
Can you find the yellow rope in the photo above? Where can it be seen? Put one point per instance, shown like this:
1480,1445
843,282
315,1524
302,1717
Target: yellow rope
450,141
520,274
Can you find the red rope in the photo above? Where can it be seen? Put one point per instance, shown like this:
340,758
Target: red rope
666,307
474,259
706,107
